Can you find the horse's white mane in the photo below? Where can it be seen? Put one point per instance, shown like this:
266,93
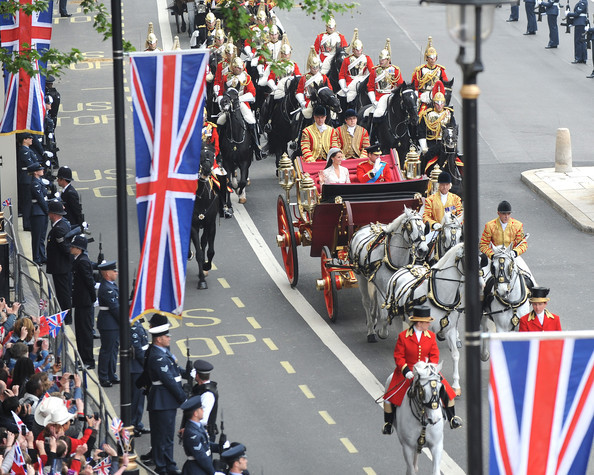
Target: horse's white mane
426,370
397,223
449,217
456,252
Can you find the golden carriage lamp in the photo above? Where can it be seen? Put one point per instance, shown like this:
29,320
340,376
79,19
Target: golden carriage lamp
308,195
468,23
286,174
433,186
412,164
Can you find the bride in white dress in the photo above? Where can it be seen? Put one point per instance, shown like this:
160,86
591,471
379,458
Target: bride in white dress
334,173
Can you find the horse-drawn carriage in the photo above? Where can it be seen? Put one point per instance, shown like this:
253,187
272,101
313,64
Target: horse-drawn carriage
324,218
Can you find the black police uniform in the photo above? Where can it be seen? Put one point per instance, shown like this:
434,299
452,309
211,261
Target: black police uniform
109,331
579,15
55,95
39,210
59,263
25,158
72,205
165,396
83,298
140,344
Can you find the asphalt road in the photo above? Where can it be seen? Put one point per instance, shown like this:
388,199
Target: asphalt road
298,391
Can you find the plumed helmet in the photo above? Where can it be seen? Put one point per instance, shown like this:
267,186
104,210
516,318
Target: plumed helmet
219,33
237,63
285,45
438,92
176,45
274,30
230,49
430,50
210,17
313,60
355,42
439,97
386,53
151,31
151,39
331,23
261,15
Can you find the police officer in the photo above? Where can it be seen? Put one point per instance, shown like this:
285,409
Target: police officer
140,344
165,395
83,298
38,213
70,197
59,262
195,440
579,20
55,95
209,396
108,324
236,459
25,158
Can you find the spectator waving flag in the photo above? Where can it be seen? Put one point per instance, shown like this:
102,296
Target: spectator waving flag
542,406
24,106
20,424
168,91
116,427
103,467
18,464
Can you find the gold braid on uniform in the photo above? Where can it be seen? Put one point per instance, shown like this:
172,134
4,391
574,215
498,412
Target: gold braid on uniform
434,125
429,77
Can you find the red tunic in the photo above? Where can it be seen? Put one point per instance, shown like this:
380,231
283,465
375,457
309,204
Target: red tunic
364,168
321,50
345,72
531,323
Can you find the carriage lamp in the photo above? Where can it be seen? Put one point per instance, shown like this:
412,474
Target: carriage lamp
433,184
308,193
469,22
412,164
286,173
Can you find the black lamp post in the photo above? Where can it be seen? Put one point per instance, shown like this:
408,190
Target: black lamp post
469,22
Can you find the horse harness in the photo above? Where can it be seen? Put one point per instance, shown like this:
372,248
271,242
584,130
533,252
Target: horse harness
416,397
209,189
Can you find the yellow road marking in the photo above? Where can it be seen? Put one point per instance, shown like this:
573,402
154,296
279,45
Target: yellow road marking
348,445
252,321
327,417
306,391
270,344
237,301
213,267
288,368
369,471
224,283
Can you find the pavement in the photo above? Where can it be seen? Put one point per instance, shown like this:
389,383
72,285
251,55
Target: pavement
570,193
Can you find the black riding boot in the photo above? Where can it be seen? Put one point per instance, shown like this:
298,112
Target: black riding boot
256,139
388,421
455,421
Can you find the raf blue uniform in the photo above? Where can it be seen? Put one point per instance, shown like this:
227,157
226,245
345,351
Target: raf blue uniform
514,14
197,449
109,331
580,20
39,210
165,396
140,344
531,17
552,11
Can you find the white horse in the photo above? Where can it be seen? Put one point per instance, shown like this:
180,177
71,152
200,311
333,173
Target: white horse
508,282
419,419
376,251
442,288
447,237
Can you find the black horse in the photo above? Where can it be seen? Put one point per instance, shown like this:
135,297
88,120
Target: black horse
237,145
447,157
204,218
398,127
335,65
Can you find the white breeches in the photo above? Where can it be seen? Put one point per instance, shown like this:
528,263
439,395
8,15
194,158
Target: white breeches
279,92
246,112
352,88
327,62
382,105
308,111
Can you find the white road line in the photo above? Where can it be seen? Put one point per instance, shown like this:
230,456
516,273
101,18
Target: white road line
315,321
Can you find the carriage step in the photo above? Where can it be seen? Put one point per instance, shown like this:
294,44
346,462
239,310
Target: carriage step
340,263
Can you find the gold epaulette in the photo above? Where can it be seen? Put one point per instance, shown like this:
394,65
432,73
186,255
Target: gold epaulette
202,26
410,332
440,66
427,334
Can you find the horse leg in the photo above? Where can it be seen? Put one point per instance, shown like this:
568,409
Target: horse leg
195,236
436,452
243,181
485,355
366,289
451,337
210,233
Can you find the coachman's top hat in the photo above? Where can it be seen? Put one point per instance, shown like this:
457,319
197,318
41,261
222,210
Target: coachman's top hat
539,294
421,313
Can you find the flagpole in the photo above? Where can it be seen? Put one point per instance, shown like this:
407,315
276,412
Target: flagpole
122,212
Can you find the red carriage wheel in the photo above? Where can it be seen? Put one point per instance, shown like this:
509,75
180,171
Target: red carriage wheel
330,291
287,241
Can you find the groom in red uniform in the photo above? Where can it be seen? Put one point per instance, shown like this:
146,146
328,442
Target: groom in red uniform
414,345
540,319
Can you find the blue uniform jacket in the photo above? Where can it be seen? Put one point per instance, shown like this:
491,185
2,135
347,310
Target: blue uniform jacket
551,8
196,445
580,13
38,195
109,306
166,392
140,343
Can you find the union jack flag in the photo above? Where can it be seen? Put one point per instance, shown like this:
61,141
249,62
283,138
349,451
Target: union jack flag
39,466
24,107
116,427
20,424
6,202
541,395
51,325
168,91
103,467
18,465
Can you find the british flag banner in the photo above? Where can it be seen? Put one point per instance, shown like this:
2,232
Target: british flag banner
24,107
541,395
168,92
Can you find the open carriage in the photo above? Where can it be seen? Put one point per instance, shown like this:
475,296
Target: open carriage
325,218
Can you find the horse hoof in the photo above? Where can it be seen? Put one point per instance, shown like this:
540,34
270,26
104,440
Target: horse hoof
206,266
371,339
458,391
202,285
383,334
229,213
242,200
249,182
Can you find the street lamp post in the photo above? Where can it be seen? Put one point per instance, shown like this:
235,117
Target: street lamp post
469,22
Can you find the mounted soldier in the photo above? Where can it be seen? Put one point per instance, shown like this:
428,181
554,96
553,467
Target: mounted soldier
259,36
326,43
224,65
434,119
310,83
383,78
426,75
354,70
204,35
151,39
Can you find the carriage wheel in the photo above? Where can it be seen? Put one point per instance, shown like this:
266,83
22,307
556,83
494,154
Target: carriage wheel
330,291
289,248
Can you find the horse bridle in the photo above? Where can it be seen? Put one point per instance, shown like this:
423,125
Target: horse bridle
394,129
233,108
418,406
